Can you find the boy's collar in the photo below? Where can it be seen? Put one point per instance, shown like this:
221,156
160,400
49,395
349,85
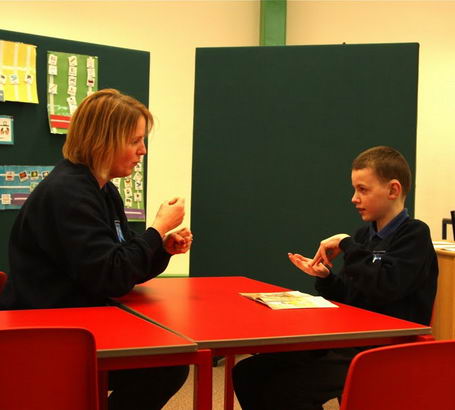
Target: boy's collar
391,227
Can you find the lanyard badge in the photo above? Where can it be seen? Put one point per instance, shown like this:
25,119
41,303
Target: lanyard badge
118,228
377,256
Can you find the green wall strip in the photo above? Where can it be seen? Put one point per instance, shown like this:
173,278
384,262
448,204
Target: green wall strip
273,23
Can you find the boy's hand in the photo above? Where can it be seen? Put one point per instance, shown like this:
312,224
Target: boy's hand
178,242
328,250
305,264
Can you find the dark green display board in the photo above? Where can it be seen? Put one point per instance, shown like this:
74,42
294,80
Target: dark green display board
124,69
275,132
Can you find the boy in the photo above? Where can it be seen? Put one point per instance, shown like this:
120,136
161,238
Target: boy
390,267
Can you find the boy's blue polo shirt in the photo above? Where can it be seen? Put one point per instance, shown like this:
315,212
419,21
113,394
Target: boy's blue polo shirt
391,227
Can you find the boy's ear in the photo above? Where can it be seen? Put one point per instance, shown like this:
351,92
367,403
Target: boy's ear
395,189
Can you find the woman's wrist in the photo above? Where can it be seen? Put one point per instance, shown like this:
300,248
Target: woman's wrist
161,230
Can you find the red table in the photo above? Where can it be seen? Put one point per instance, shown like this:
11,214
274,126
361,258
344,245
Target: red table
210,311
124,341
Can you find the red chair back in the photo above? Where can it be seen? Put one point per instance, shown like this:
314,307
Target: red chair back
3,278
413,376
48,368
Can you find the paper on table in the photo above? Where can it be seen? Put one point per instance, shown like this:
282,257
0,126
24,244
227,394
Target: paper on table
289,300
445,246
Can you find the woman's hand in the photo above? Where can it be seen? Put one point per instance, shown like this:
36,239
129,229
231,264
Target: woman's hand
169,216
306,265
178,242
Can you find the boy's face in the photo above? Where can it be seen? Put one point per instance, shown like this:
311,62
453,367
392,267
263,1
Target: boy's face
372,198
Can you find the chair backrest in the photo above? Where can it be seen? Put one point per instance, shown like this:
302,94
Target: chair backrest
48,368
412,376
3,278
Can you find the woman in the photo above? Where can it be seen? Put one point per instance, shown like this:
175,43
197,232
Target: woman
70,245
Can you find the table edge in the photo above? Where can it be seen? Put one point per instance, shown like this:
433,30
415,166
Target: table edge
146,351
325,337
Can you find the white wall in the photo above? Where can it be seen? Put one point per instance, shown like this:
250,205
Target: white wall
430,23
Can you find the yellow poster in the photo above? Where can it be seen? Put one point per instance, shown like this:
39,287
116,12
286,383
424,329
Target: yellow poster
18,72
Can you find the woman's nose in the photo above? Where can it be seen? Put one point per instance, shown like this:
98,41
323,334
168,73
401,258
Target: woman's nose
142,149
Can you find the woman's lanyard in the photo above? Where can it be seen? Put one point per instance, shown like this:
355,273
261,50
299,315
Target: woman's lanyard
113,214
118,228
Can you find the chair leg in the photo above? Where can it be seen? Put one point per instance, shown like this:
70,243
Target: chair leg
103,383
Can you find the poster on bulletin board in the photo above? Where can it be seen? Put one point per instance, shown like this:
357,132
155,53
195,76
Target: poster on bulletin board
18,72
18,181
131,190
70,78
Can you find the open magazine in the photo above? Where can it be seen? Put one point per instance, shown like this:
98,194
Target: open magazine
289,300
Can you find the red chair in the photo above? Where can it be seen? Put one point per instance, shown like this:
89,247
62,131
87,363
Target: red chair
48,368
3,278
412,376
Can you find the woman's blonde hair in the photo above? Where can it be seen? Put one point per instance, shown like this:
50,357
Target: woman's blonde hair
100,126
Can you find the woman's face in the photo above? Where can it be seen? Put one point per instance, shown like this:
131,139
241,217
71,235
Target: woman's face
127,157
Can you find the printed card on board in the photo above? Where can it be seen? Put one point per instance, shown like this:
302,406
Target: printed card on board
6,130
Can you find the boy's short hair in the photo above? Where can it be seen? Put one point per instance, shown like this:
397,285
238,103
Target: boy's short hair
387,163
100,126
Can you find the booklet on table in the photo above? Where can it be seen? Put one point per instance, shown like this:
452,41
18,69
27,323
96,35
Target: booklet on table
289,300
